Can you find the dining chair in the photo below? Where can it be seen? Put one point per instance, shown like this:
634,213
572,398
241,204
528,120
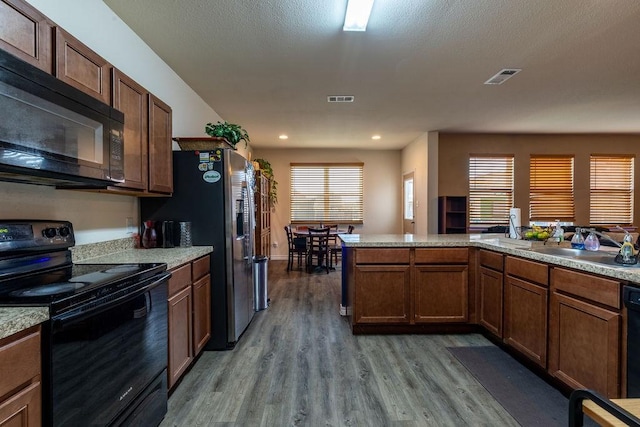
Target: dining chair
297,248
318,241
335,248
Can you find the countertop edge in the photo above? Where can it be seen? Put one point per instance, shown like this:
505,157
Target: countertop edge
516,248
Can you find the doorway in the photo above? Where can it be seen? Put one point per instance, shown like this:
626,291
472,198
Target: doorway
408,197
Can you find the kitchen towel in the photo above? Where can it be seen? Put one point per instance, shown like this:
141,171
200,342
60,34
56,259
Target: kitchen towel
515,222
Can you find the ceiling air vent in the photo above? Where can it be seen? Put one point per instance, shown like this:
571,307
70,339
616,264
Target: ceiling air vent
340,98
502,76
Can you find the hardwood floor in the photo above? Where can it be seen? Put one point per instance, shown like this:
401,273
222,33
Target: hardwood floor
299,364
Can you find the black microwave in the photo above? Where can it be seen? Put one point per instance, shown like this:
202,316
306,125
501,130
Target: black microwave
52,133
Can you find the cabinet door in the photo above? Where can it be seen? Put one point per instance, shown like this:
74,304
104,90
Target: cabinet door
584,345
23,409
81,67
131,98
441,294
160,155
180,334
490,301
201,313
382,294
26,33
525,318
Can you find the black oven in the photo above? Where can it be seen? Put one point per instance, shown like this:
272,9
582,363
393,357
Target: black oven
105,345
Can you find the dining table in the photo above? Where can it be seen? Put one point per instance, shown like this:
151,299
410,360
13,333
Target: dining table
333,233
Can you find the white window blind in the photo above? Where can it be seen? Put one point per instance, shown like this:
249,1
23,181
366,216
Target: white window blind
490,189
327,193
611,190
551,188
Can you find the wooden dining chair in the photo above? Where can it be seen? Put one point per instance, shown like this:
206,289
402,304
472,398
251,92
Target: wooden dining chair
318,249
297,248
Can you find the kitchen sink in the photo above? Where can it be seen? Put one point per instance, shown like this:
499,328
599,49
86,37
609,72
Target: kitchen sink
600,257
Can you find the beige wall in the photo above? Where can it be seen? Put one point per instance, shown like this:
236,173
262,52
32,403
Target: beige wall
382,188
454,151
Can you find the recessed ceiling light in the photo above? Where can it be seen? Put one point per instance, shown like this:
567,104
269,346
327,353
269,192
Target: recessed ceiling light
283,136
376,137
357,15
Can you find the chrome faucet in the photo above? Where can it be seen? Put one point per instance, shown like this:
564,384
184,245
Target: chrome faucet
627,236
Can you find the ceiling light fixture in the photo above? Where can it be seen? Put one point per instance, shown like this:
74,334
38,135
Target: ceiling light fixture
283,136
357,15
376,137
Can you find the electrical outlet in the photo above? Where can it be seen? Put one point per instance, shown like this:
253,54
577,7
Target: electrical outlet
130,227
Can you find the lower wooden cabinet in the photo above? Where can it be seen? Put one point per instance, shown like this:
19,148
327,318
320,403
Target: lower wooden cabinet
189,315
441,294
525,318
383,294
410,287
20,374
585,335
490,300
180,325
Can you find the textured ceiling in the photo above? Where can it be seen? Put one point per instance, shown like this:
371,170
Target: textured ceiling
420,66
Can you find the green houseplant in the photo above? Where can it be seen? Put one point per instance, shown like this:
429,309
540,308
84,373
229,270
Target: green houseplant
266,169
230,131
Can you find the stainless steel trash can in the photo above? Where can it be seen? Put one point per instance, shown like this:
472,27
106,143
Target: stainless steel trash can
260,291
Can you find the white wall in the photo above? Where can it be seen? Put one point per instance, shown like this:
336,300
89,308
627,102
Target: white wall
99,217
382,188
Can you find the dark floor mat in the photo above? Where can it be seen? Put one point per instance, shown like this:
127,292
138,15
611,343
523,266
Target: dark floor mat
527,397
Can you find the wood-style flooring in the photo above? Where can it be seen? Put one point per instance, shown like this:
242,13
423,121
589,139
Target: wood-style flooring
299,364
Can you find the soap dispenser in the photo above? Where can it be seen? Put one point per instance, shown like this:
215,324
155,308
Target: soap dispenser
577,241
591,243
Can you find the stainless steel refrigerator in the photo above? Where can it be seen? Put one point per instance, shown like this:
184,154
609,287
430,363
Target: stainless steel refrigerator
214,190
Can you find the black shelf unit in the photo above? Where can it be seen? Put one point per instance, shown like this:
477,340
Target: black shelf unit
452,214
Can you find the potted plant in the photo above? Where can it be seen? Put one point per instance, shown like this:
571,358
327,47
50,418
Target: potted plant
266,169
230,131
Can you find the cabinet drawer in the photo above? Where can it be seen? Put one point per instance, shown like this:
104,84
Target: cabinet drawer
382,256
19,360
492,260
180,278
201,267
528,270
597,289
442,256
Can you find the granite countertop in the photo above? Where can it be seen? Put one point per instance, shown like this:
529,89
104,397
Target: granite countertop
495,242
16,319
173,257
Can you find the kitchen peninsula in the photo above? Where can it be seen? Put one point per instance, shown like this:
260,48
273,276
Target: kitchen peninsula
563,316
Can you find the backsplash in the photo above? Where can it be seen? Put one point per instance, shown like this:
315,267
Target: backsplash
80,253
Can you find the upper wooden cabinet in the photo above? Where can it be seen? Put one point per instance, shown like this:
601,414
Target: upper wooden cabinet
81,67
26,33
133,100
160,153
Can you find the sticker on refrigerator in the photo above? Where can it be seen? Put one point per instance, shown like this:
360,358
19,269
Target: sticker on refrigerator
204,156
203,167
211,176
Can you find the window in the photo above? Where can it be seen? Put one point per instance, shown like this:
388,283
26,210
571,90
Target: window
327,193
611,190
551,188
490,189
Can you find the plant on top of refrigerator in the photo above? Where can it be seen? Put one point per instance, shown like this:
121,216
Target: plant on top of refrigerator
230,131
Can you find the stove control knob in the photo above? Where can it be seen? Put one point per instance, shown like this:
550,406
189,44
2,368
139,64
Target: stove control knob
49,232
64,231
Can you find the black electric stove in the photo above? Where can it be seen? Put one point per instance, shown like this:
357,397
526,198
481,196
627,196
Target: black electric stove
107,329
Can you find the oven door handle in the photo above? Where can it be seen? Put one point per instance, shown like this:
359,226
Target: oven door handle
81,313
